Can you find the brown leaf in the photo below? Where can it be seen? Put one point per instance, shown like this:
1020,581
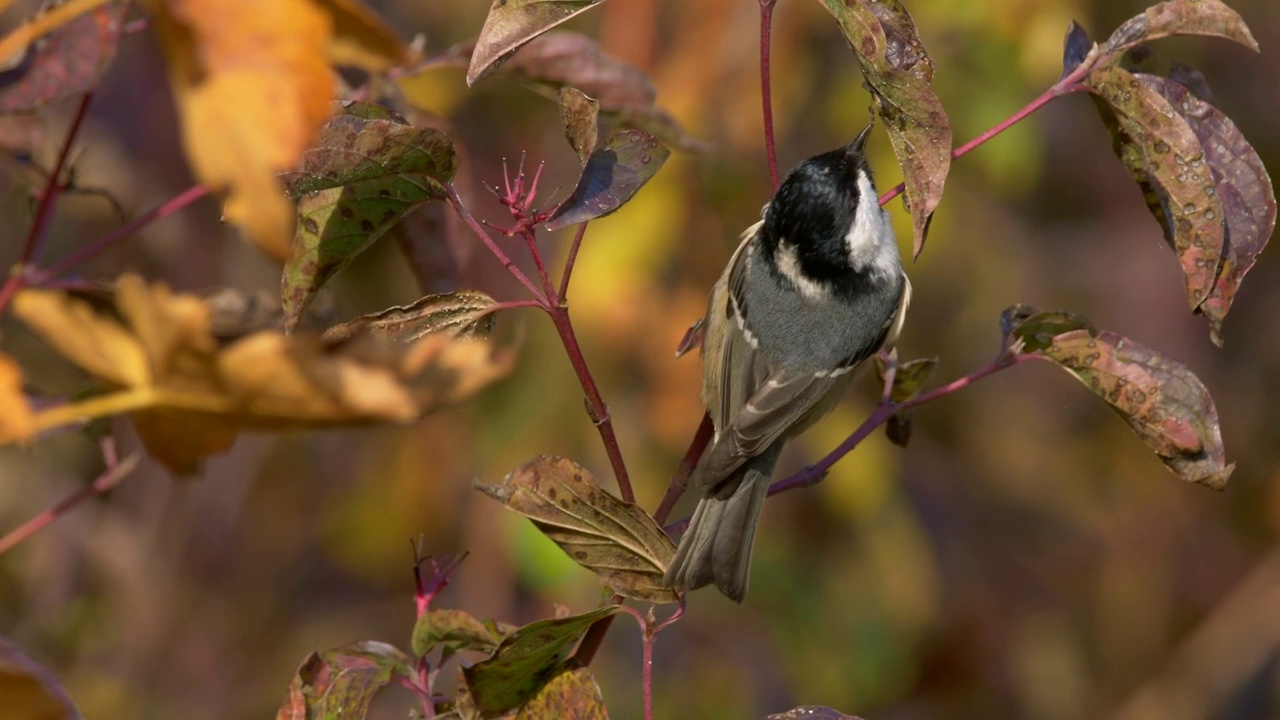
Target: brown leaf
1161,399
29,689
1243,185
341,683
1163,154
454,630
811,712
616,540
1178,17
512,23
581,116
15,412
361,37
311,676
572,694
899,71
253,86
68,61
457,314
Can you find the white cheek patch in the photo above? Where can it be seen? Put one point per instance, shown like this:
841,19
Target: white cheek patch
789,266
870,239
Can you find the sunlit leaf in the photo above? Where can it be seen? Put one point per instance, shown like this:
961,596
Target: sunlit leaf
253,86
29,689
15,46
526,660
1163,154
453,630
581,116
364,172
1037,328
811,712
15,412
1161,400
361,37
1243,187
899,71
612,175
461,313
614,539
341,683
512,23
572,694
1179,17
68,61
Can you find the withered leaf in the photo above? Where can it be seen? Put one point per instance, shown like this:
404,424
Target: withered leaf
1161,400
462,313
526,660
366,169
572,695
31,690
362,38
68,61
899,71
614,539
612,176
16,423
1164,156
453,630
512,23
1243,187
811,712
341,683
1178,17
581,116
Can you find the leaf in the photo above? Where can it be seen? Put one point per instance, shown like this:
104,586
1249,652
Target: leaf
1161,400
526,660
67,62
1075,48
158,359
16,423
908,380
455,630
1178,17
1163,155
616,540
341,683
362,38
612,175
581,116
811,712
1243,186
253,85
29,689
512,23
15,45
572,694
457,314
1037,328
899,71
364,172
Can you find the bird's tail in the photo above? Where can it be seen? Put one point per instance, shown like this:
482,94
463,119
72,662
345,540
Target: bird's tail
717,546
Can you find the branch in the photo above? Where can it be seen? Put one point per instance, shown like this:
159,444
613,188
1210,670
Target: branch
109,478
766,91
573,257
680,481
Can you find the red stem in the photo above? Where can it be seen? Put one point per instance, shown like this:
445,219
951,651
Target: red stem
573,257
498,252
766,91
676,488
531,240
104,482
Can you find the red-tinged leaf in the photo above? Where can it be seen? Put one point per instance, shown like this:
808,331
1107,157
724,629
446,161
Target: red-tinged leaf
811,712
1243,185
30,690
581,116
1178,17
312,677
453,630
512,23
341,683
68,61
571,695
526,660
612,175
1161,400
899,72
616,540
1164,156
364,172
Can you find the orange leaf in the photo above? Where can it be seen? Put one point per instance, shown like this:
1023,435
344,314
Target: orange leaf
15,413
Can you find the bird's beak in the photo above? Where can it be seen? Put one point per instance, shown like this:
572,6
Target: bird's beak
861,141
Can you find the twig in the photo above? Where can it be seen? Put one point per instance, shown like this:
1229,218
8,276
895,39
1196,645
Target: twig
649,632
766,92
680,481
104,482
498,252
569,262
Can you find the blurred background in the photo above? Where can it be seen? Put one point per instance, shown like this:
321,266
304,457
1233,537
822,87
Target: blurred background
1025,557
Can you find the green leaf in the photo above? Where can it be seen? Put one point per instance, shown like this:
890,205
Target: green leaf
526,660
364,172
616,540
908,380
581,116
1178,17
1037,328
460,314
512,23
1161,400
1164,156
612,176
572,694
453,630
899,71
1244,187
340,684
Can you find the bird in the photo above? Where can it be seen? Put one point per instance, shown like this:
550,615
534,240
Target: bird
814,289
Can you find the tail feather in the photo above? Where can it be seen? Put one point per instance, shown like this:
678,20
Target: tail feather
717,546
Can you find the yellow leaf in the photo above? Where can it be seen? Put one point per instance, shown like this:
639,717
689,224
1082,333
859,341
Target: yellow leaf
42,23
99,344
361,37
253,86
15,413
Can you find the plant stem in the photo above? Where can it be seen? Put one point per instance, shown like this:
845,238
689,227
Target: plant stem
679,481
531,240
168,207
573,257
109,478
498,252
766,90
595,404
